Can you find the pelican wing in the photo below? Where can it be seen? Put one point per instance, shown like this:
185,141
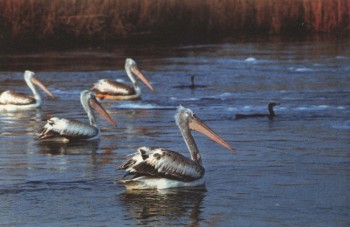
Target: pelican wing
160,162
112,87
15,98
60,127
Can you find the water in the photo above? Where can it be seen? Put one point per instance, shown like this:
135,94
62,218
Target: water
290,171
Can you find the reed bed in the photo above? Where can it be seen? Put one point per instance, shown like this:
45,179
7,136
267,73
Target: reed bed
127,19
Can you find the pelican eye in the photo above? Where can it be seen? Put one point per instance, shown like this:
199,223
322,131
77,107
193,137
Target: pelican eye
92,96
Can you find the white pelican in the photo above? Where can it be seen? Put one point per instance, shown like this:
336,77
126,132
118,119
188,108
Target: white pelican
11,100
64,130
113,90
160,168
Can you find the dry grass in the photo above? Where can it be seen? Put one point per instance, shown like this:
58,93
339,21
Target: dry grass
121,19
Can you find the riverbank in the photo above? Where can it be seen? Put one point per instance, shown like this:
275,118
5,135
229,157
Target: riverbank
110,20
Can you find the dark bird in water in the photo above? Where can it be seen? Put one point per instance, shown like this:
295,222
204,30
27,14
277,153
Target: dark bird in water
270,115
192,85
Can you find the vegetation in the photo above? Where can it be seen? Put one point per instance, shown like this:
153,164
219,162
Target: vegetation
127,19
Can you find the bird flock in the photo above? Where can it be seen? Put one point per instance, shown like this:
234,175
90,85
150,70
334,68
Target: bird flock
149,167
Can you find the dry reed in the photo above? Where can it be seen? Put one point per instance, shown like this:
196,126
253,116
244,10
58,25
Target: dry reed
124,19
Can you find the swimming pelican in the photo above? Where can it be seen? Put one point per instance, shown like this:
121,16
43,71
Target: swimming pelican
64,130
11,100
160,168
270,115
113,90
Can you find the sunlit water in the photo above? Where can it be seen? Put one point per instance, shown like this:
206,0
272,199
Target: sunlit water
293,170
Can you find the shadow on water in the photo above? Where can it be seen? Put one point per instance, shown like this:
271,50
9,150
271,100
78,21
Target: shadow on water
149,206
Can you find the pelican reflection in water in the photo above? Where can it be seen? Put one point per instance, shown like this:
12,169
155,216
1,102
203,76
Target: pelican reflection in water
65,130
114,90
160,168
81,147
184,205
12,100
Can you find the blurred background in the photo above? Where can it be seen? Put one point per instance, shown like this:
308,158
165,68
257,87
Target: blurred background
66,22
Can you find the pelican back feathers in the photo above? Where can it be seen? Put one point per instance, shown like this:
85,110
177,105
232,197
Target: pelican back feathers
15,98
163,163
70,129
112,87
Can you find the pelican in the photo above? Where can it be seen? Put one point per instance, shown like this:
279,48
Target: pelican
270,115
160,168
11,100
65,130
113,90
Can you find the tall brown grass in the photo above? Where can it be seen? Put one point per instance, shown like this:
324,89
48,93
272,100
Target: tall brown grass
123,19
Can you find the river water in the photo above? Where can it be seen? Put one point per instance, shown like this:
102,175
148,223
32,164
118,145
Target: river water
293,170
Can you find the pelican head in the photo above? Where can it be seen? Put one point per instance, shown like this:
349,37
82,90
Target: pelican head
131,67
186,119
88,100
30,79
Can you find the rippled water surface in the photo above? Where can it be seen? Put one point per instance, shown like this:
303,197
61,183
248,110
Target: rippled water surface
293,170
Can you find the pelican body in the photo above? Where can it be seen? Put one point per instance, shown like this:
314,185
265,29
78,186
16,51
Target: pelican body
114,90
160,168
270,115
65,130
11,100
